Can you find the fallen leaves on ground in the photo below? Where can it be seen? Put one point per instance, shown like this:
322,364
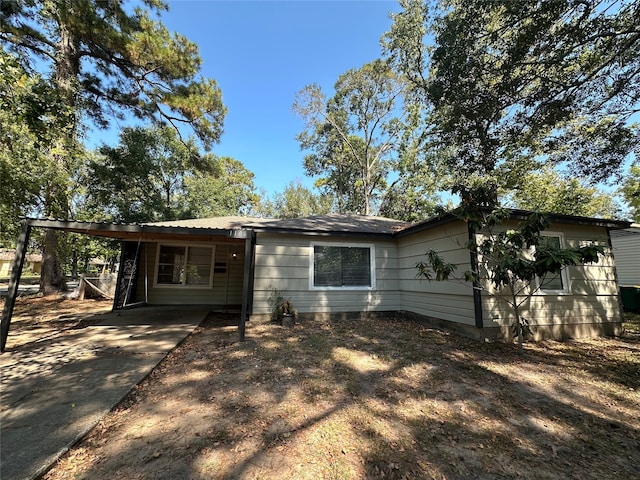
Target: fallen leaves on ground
372,399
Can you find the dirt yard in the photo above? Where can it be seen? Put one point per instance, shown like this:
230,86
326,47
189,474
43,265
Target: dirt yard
371,399
36,318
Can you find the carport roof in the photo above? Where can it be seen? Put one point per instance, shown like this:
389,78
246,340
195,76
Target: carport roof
233,226
219,226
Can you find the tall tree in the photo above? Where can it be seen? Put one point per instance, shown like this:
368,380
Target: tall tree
31,114
297,201
104,60
152,175
548,191
512,84
631,191
225,187
414,194
354,134
142,178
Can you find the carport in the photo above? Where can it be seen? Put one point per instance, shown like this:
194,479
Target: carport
135,284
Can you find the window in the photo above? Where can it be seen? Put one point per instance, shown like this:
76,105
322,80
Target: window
180,265
554,282
342,266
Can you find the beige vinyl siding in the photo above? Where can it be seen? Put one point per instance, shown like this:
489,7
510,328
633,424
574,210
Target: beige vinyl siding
554,310
446,300
592,297
227,284
626,251
283,263
5,267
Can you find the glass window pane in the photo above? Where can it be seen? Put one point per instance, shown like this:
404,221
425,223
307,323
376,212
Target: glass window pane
551,281
199,265
356,267
327,266
198,275
551,241
342,266
171,265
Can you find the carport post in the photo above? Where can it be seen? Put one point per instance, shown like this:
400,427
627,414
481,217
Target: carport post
18,262
249,245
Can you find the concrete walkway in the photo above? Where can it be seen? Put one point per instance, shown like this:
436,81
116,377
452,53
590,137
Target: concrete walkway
53,392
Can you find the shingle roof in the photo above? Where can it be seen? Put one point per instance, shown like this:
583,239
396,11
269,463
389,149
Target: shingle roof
11,254
334,223
223,223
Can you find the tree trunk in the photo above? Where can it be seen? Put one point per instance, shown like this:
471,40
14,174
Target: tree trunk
74,264
365,188
519,332
167,211
56,197
51,277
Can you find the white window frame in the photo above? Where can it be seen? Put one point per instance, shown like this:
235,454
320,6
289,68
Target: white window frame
564,274
184,284
372,266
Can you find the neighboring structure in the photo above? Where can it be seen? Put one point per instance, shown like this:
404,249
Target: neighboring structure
33,262
626,251
347,265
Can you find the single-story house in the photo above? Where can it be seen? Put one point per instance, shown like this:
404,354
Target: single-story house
626,250
348,265
33,261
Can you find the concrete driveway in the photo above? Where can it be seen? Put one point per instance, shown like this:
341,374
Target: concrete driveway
53,392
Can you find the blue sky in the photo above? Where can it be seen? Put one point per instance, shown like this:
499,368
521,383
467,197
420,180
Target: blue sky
261,53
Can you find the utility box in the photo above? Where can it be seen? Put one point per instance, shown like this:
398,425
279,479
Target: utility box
630,298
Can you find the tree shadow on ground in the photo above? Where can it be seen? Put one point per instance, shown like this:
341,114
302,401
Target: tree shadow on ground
371,399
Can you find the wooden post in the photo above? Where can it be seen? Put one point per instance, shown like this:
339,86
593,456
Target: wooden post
16,272
477,291
249,245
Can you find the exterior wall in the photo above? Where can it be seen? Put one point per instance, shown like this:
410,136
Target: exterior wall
227,279
626,251
283,263
590,307
451,301
5,267
35,266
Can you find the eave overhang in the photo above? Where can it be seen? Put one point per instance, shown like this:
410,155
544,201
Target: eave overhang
125,231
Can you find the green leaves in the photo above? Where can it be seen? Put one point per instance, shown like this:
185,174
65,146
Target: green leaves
515,257
509,85
353,135
32,116
225,187
631,191
436,264
549,191
152,175
115,61
296,201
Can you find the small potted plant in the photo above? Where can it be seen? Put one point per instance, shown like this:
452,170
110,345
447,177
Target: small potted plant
282,310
